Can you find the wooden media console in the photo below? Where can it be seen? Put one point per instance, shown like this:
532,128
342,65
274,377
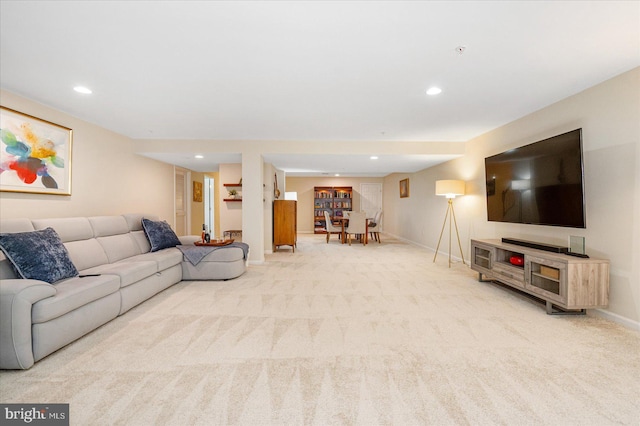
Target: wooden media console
570,283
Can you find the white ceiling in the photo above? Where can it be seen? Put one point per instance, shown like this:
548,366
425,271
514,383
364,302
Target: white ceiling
309,72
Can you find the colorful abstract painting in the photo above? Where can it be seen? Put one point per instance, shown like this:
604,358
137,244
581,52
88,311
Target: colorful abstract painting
35,155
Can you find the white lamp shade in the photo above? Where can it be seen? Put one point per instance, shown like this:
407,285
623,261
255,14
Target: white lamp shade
450,188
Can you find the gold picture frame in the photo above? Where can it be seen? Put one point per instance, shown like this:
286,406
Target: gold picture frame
197,191
404,188
35,154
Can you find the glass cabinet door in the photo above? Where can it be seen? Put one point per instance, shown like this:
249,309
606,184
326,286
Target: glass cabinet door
482,257
547,278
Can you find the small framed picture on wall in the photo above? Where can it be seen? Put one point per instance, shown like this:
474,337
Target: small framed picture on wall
404,188
197,191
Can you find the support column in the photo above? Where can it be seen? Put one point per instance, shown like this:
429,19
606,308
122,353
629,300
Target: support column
252,205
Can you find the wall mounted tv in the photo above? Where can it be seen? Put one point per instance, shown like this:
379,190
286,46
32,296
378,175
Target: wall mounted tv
541,183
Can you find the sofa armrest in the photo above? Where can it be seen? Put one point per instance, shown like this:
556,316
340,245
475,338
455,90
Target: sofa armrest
16,298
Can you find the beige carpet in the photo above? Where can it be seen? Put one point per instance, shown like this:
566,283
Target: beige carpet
339,335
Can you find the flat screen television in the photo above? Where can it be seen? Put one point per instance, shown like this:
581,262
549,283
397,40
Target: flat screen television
540,183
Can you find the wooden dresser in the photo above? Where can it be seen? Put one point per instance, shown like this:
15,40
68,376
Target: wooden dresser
285,225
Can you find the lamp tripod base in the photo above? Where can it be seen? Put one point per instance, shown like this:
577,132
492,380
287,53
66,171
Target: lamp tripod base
451,215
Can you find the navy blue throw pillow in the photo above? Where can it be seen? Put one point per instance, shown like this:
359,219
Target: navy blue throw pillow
159,234
38,255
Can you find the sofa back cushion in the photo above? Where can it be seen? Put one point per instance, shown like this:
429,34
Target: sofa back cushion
112,232
90,241
141,239
7,272
16,225
77,234
104,226
119,247
86,254
68,228
134,220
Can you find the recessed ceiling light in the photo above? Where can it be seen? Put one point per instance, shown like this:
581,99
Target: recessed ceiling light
374,157
83,90
199,156
434,91
337,174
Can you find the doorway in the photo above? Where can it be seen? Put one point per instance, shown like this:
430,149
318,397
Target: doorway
209,210
181,206
370,198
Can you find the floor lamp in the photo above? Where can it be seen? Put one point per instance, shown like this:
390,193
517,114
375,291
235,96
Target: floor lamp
449,188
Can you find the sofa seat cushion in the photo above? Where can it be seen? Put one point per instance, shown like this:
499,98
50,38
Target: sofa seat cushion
225,254
164,258
129,272
72,294
222,263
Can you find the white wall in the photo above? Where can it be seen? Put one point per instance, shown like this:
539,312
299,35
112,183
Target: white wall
609,115
107,176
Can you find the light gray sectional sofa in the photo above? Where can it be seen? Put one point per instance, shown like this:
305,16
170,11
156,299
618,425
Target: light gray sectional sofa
117,272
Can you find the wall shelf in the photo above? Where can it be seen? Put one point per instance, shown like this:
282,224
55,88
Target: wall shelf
237,185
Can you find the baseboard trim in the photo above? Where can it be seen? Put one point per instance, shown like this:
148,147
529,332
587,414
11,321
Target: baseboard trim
618,319
431,249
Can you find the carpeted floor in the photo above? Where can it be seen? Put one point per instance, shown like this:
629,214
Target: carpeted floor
339,335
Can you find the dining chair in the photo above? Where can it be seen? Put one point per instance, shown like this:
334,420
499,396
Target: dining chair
374,230
331,229
357,226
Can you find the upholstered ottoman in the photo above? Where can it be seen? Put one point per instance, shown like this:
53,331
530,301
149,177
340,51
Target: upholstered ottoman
214,263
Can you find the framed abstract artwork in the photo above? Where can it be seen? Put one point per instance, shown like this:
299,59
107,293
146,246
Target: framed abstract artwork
35,154
404,188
